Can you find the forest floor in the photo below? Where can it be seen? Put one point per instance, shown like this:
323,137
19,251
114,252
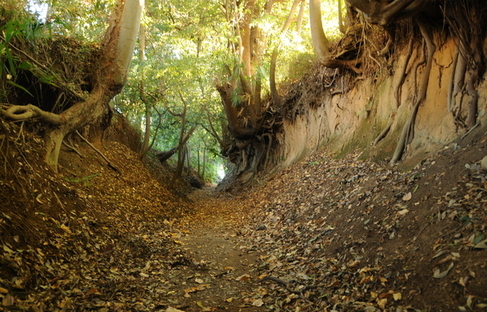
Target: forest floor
323,235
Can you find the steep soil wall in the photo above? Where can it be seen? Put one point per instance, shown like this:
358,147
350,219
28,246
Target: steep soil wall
355,118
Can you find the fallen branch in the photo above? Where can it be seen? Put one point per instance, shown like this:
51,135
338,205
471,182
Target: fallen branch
98,151
471,129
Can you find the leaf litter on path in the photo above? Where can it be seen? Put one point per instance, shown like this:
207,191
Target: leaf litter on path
324,235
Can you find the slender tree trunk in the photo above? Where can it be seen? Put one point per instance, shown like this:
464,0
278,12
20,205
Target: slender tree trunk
320,42
148,120
198,158
299,23
272,77
341,25
204,165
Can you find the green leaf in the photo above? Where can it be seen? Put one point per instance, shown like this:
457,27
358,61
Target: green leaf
10,60
48,80
20,87
25,66
478,239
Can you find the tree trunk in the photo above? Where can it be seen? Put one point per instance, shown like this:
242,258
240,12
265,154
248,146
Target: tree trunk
341,25
272,76
145,144
320,42
299,23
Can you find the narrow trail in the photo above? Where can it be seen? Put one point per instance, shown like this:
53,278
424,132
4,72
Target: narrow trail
323,235
223,271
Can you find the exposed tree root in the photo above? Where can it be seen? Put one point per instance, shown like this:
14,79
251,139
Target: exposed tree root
71,146
451,86
402,77
336,63
473,77
390,41
269,147
29,111
423,88
457,87
467,21
383,133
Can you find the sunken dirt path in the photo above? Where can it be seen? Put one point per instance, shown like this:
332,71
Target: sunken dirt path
217,271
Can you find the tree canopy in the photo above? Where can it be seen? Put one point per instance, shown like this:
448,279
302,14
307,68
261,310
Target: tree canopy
207,77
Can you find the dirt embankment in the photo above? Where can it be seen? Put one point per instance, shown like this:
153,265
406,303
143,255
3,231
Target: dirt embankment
352,113
353,235
324,235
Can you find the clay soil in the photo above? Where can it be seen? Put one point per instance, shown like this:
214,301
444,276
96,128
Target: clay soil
323,235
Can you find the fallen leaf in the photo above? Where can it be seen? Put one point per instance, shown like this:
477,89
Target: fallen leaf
196,288
407,197
397,296
481,245
93,291
439,274
8,300
382,303
243,278
258,303
65,229
403,212
463,281
441,252
171,309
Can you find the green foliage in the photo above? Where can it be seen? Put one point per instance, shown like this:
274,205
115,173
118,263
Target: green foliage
188,45
19,86
86,20
17,26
